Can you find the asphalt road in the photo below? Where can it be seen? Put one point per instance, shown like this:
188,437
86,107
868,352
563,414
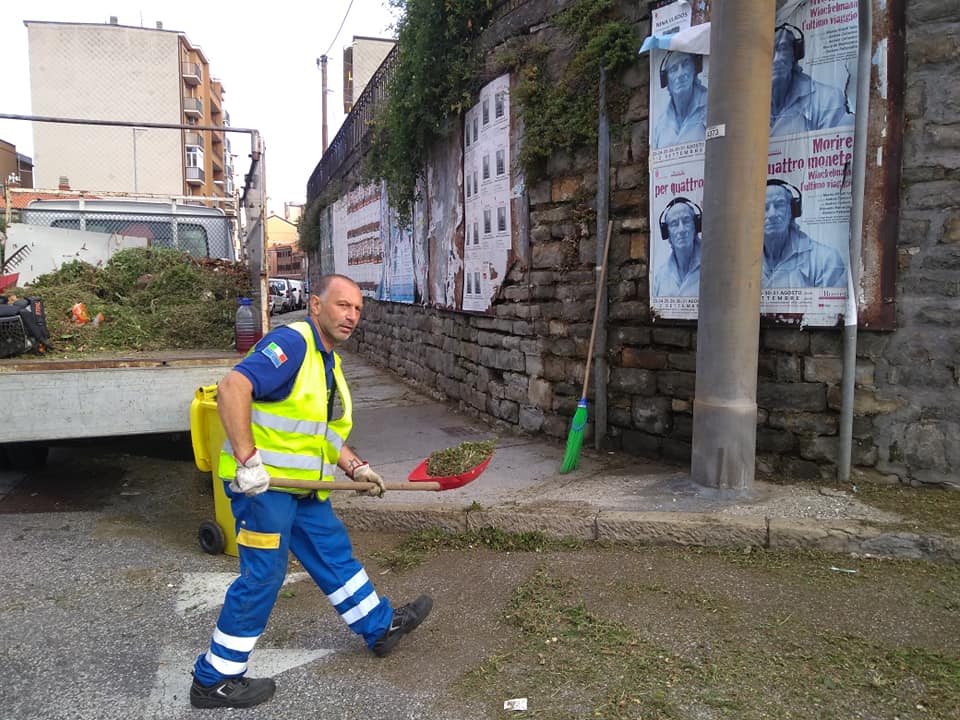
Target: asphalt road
107,599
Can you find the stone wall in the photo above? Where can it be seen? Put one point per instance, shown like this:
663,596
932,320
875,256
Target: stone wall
524,364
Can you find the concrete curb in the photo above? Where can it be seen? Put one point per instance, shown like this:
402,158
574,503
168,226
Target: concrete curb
662,528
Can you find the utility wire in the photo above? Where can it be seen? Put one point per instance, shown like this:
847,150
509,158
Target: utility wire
340,28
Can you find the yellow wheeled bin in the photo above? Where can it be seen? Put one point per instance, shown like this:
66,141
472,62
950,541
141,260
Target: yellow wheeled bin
207,434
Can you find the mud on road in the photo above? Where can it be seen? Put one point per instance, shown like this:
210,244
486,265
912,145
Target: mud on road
103,599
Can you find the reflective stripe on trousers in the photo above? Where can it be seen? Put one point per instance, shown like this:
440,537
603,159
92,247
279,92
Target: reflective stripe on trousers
280,522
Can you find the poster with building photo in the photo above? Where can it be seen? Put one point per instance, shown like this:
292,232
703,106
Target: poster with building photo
486,180
357,243
808,194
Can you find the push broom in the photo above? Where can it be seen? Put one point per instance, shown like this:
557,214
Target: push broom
575,439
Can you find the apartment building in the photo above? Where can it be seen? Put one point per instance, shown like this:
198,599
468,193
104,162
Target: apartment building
284,257
16,169
116,72
361,59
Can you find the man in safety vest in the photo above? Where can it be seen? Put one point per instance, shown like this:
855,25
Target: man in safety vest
276,407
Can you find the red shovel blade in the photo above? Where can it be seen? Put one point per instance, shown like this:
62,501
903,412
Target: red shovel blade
448,482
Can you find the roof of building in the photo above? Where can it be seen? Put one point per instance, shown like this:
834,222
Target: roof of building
22,199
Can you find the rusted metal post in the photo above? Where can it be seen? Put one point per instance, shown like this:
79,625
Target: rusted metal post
738,129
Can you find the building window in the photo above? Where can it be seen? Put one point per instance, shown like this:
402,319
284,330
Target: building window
486,167
486,222
475,133
501,163
486,111
475,186
194,157
476,233
498,109
502,218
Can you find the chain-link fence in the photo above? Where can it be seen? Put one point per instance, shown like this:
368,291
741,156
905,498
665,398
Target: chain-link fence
207,215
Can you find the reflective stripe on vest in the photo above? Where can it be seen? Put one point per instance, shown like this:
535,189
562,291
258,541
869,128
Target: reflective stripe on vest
294,436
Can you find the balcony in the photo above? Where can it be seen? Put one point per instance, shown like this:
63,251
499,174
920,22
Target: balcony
193,107
193,139
195,175
216,137
191,72
214,105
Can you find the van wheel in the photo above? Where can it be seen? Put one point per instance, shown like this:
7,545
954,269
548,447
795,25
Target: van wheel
211,538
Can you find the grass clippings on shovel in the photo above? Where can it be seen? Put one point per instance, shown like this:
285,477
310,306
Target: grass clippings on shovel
459,459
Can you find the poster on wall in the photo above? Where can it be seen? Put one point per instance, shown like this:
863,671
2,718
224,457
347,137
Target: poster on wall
808,193
357,240
486,195
372,247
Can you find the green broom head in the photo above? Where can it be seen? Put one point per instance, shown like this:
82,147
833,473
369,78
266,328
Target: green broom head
575,439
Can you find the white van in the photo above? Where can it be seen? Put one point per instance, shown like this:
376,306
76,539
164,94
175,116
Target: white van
301,298
195,229
283,288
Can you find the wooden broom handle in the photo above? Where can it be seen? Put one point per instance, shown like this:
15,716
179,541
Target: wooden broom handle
596,308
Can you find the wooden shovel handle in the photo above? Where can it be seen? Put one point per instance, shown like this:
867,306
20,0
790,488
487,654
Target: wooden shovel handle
350,485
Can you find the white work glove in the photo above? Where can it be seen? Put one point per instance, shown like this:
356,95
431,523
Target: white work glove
364,473
252,477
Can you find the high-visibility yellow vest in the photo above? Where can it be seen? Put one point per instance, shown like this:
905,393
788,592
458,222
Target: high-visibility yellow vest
295,437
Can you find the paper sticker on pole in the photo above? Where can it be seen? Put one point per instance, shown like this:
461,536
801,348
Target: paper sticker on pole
716,131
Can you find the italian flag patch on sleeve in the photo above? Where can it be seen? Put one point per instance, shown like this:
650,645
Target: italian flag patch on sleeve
275,353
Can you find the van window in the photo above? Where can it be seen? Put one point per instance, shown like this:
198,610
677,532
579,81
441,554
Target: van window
193,238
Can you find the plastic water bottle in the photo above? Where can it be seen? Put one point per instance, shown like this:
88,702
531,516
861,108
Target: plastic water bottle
246,329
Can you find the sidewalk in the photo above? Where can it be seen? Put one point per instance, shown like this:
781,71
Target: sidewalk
610,496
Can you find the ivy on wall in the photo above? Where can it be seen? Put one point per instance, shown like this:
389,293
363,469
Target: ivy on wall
435,79
439,72
561,113
308,227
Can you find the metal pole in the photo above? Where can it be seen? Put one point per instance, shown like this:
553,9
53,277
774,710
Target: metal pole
603,195
861,127
738,129
134,131
323,74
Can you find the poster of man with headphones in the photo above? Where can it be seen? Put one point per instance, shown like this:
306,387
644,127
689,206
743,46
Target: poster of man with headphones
808,195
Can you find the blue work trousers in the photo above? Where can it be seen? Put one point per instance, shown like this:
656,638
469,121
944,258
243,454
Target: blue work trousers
270,525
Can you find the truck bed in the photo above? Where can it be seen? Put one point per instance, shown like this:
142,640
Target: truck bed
98,395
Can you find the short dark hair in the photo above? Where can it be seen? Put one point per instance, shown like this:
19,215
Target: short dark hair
324,283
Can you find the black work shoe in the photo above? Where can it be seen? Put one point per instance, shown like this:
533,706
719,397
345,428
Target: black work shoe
405,619
240,692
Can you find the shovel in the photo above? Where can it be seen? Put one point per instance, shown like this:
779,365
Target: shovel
418,480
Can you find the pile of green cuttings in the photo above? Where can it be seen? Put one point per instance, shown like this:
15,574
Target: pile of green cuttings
146,299
458,460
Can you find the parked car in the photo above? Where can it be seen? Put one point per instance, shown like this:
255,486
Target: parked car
276,298
301,298
284,289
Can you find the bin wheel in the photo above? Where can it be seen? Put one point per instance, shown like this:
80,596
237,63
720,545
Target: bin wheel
211,537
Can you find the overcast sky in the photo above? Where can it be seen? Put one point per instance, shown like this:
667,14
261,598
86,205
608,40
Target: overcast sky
265,55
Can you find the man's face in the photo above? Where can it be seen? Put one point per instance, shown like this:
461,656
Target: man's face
777,215
337,313
680,222
680,73
783,59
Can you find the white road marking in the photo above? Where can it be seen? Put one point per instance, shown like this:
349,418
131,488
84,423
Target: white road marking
200,592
